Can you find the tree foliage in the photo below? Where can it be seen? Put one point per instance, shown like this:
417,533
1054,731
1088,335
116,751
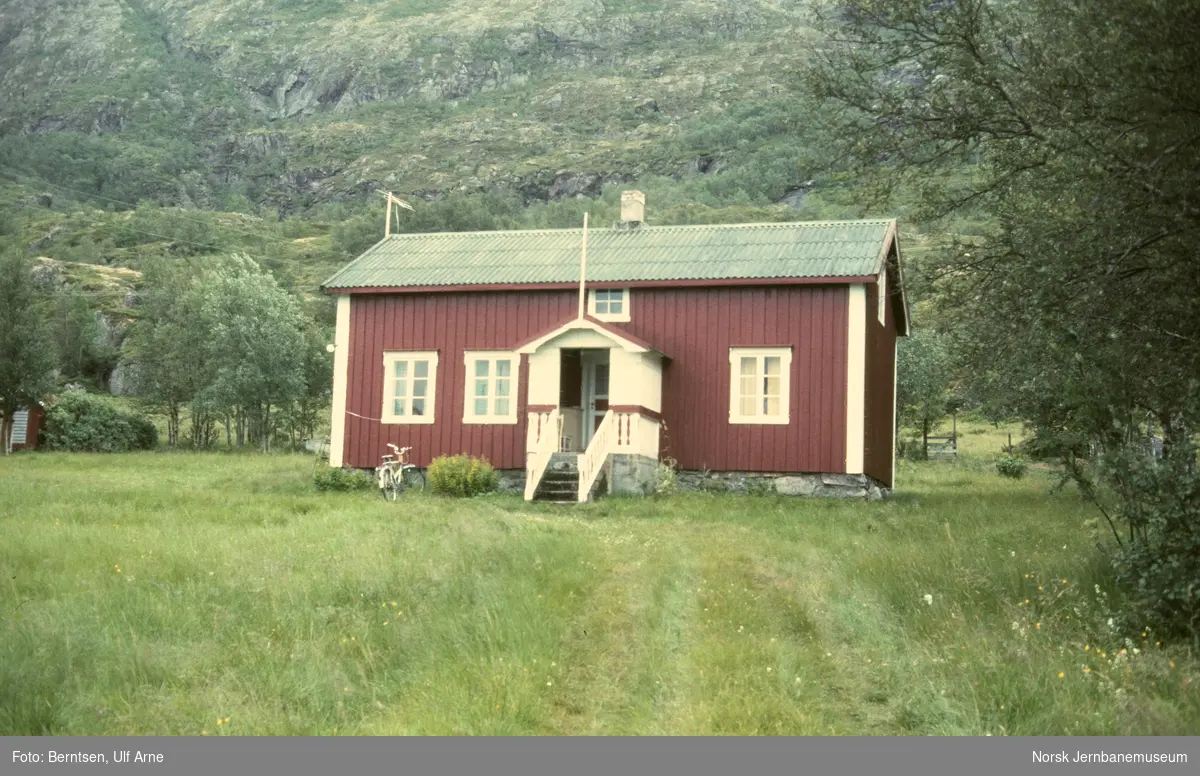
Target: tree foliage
1074,126
26,356
223,341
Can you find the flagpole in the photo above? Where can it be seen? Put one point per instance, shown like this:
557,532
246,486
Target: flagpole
387,226
583,269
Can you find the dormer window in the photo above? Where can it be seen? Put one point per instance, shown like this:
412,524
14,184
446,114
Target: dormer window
609,304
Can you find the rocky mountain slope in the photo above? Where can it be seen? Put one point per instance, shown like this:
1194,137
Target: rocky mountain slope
295,103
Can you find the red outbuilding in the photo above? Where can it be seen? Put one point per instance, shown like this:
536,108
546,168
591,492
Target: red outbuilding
27,425
735,352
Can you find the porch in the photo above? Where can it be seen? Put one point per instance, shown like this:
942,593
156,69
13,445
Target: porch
593,423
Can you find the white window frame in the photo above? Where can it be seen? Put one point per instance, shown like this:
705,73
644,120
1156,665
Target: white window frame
390,359
882,291
621,317
470,359
735,396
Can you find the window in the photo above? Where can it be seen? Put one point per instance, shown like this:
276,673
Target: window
490,395
409,386
759,385
611,304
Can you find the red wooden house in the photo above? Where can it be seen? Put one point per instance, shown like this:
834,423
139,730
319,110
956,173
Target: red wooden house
741,351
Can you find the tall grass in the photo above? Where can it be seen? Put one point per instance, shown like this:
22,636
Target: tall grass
190,594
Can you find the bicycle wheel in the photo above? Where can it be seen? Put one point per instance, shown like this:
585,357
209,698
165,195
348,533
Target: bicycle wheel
413,478
393,487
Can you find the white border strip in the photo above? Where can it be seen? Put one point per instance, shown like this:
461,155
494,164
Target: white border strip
341,368
856,378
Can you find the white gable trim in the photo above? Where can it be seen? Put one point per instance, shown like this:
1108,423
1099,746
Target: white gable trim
582,324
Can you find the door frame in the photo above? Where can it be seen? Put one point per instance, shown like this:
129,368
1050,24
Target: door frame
589,360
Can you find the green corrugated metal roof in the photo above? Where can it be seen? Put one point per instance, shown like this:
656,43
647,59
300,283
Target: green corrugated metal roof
815,249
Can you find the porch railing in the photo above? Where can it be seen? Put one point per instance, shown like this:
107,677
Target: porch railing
542,439
604,441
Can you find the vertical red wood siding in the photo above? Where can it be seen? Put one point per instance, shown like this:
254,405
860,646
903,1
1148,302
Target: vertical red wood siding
879,428
695,327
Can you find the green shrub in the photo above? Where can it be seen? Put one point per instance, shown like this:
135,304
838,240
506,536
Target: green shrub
462,475
78,422
342,479
1158,557
1011,466
666,481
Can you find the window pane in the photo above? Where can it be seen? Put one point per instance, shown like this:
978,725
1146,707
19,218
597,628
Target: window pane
771,406
401,388
481,406
771,386
481,367
601,307
502,387
398,406
421,368
602,379
503,368
418,406
746,387
401,369
614,307
771,365
747,405
481,387
419,387
749,365
501,407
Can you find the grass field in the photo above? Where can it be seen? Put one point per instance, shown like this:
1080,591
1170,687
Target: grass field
220,594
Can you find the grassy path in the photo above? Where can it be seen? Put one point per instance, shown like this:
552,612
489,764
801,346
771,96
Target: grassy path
218,594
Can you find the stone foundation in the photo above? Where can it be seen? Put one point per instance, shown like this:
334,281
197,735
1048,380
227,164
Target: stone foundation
820,485
636,475
511,480
631,474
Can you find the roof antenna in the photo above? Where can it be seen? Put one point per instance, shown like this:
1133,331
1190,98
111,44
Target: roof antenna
583,269
392,198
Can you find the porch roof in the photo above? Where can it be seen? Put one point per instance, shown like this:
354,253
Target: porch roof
625,340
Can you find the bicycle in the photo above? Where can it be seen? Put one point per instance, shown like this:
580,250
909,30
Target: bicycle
396,474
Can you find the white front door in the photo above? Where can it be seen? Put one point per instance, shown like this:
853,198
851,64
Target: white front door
595,392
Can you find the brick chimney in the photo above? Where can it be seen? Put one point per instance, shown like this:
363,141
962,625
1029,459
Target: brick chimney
633,208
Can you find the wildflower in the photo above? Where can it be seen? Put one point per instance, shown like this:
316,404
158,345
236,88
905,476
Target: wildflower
1037,625
549,684
928,599
1012,553
1027,602
1064,582
1060,674
1172,662
1087,670
385,622
1087,647
346,689
768,669
393,603
220,722
1041,588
